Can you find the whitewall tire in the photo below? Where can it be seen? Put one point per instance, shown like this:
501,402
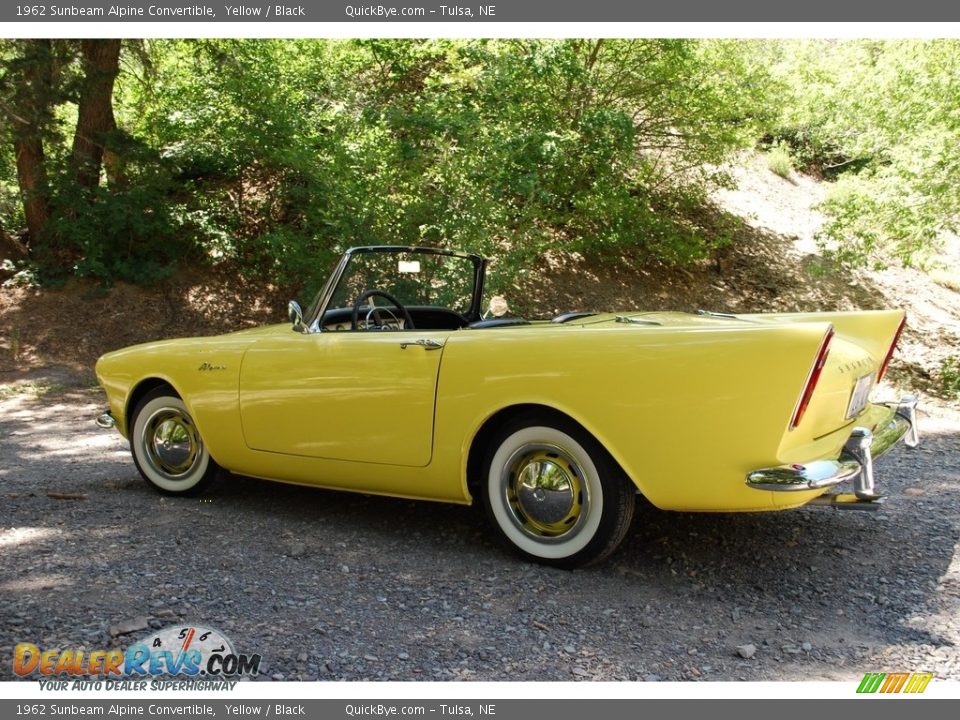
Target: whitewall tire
167,447
554,494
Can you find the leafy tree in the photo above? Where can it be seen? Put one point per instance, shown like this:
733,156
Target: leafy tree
28,89
883,117
273,155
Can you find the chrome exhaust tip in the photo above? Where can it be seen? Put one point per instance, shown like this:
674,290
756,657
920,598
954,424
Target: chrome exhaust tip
106,421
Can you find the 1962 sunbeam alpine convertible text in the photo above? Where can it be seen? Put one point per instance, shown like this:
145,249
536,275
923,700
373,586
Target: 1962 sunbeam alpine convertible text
393,382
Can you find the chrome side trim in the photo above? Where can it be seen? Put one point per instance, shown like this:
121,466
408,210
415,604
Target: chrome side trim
809,476
635,320
105,420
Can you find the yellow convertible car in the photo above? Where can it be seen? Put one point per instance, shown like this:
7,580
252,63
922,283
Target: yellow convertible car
395,381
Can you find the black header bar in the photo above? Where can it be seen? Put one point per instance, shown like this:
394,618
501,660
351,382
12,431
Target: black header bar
486,11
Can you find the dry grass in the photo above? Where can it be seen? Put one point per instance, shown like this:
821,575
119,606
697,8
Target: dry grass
950,279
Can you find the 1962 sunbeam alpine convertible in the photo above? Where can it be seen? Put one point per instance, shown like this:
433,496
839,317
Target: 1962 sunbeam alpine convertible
395,381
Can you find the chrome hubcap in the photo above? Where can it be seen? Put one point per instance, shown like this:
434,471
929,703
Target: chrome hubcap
172,443
545,492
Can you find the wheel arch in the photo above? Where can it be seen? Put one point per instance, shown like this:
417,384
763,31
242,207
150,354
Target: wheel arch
481,439
139,390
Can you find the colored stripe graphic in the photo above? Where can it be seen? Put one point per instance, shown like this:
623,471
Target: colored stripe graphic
918,682
895,682
871,682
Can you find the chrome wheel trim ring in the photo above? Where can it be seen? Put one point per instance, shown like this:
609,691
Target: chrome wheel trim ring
545,492
171,443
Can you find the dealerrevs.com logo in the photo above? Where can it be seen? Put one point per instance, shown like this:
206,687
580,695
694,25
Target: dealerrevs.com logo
192,652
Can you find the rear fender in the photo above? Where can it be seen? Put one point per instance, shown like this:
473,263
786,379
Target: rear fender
872,330
685,412
861,342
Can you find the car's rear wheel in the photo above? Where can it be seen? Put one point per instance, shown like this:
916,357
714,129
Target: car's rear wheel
554,494
167,447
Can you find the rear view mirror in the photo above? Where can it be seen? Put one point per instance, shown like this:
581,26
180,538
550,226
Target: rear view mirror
498,306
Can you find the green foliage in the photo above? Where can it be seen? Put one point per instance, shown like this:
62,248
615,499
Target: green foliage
274,155
127,235
779,160
22,273
127,231
881,116
32,389
950,377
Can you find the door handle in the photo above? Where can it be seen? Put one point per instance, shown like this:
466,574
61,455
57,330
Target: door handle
425,343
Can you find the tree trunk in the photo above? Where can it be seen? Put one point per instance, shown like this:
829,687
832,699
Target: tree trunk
32,178
31,114
10,247
95,121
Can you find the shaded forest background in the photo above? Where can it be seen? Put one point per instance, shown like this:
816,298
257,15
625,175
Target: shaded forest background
123,160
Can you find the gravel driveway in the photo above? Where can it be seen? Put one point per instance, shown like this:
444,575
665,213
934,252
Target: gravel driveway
337,586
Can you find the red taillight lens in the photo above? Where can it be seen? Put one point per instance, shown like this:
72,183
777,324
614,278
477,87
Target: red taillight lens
812,379
893,346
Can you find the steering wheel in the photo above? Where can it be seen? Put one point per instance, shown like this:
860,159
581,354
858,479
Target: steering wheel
366,295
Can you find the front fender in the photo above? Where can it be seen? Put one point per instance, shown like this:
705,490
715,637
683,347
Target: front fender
204,372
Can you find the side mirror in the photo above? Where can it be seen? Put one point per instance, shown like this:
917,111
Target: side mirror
295,314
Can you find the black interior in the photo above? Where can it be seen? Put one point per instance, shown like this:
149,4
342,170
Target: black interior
425,317
498,322
430,317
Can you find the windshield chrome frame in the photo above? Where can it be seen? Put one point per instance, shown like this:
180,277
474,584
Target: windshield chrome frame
318,307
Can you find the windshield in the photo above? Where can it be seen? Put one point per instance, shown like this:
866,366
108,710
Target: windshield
415,278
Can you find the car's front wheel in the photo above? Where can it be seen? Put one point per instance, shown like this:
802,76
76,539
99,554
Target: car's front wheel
167,447
554,494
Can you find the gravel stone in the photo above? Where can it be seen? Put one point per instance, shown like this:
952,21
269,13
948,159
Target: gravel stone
747,651
129,626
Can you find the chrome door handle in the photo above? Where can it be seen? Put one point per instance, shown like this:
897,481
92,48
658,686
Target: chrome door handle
424,343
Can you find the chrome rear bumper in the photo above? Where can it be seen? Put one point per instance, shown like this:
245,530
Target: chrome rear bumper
855,462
